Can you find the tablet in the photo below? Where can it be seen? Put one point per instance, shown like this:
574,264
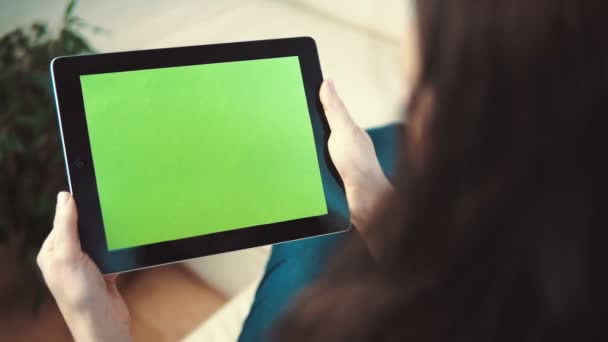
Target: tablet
178,153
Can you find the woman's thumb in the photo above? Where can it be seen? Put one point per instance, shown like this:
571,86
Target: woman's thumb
65,225
335,110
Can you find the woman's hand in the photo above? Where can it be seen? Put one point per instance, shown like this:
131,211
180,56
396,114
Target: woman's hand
89,302
353,154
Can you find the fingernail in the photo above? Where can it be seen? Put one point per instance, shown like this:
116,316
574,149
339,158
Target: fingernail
332,86
62,198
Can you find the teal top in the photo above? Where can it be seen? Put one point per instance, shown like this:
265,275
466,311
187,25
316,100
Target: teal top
294,265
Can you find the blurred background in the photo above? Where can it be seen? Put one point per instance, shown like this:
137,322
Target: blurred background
364,45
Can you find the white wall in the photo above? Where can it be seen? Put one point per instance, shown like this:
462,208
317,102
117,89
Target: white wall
383,17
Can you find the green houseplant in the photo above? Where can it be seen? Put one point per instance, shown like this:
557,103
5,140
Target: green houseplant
31,164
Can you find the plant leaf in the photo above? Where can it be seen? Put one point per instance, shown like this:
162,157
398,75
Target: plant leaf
69,9
40,30
74,43
11,143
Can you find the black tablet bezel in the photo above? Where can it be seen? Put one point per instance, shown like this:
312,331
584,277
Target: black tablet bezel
65,73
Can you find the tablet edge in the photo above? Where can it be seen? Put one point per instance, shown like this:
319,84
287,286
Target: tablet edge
61,136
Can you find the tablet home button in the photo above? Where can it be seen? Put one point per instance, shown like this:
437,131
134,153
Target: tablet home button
78,163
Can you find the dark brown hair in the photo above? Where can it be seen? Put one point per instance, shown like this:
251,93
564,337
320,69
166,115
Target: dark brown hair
498,237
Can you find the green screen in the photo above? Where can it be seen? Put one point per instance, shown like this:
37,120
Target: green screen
193,150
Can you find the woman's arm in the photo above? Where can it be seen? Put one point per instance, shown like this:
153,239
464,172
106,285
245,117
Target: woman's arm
89,302
353,154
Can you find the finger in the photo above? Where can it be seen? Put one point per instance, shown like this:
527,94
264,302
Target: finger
65,226
46,247
48,243
335,110
111,278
